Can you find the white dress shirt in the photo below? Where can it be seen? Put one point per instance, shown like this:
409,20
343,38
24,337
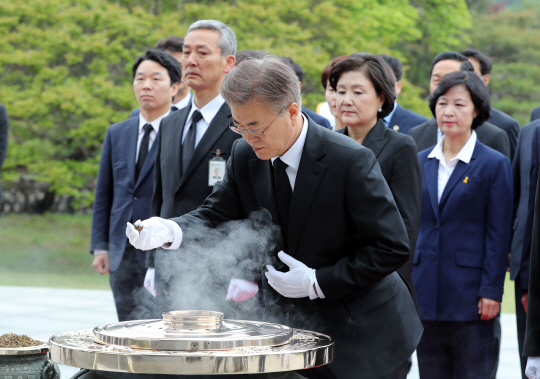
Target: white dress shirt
208,112
153,135
184,102
446,169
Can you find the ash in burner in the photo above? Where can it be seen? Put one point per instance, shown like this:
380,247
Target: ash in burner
15,340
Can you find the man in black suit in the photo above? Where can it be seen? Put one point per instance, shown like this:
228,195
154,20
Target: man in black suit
4,126
126,176
521,169
482,66
400,119
428,134
173,45
535,114
190,137
342,237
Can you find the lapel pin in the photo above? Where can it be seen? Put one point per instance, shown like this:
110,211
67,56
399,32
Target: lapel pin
466,179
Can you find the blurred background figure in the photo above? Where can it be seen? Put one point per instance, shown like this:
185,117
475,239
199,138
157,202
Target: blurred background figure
482,66
173,45
320,120
327,109
461,254
428,134
242,55
535,114
126,177
400,119
364,87
4,126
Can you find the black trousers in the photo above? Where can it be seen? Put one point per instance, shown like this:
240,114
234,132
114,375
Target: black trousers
521,319
456,349
127,284
496,347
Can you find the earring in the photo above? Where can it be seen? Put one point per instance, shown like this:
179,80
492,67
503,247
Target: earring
380,109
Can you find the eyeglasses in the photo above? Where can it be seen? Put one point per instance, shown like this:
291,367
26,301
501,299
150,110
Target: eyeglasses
257,133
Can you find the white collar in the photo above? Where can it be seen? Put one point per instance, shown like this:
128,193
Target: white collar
155,123
209,111
464,155
293,155
184,102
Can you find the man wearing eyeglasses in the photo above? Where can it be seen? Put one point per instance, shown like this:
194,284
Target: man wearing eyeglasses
342,237
190,138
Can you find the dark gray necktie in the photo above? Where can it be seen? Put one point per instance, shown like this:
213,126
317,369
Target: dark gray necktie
283,197
188,147
143,150
174,108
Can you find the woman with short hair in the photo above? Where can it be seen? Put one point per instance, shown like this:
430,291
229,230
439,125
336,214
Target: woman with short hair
461,253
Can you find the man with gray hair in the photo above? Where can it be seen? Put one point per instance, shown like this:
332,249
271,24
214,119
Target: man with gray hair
191,137
342,237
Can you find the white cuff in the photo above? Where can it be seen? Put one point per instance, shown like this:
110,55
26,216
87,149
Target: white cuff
177,235
100,251
313,281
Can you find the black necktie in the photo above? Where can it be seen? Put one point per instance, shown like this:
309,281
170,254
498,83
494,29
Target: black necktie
283,197
174,108
189,142
143,150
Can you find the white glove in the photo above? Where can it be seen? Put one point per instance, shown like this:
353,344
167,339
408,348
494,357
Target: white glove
241,290
149,281
297,282
533,368
157,232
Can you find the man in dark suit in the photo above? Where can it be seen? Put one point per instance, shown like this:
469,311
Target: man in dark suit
4,126
535,114
482,66
521,169
173,45
428,134
400,119
190,137
125,178
341,233
320,120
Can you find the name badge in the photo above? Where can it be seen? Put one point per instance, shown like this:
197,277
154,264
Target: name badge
216,169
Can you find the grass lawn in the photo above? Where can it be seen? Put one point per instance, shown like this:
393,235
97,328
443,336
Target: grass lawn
52,251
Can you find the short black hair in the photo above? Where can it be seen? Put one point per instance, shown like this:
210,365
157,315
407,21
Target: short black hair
376,70
294,66
485,62
171,43
475,86
167,61
249,54
452,56
395,65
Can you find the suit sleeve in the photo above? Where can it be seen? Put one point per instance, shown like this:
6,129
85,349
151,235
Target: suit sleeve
502,144
512,132
103,199
498,231
378,225
531,347
4,126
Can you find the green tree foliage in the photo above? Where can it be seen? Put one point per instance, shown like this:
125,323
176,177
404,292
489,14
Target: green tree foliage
66,64
514,48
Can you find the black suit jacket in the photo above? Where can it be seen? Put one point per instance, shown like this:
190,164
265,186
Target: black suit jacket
404,120
506,123
317,118
344,223
400,166
4,125
535,114
174,194
119,197
425,136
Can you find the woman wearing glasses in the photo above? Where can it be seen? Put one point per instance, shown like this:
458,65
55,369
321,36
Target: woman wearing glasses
364,86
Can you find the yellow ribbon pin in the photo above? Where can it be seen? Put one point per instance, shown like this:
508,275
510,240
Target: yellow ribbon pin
466,179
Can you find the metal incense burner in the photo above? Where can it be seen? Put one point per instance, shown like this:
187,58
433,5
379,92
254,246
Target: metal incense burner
192,343
27,363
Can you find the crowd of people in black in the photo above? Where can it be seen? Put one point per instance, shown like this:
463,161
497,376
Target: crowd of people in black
396,230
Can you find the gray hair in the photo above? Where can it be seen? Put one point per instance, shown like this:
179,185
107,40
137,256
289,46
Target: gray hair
268,81
227,42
